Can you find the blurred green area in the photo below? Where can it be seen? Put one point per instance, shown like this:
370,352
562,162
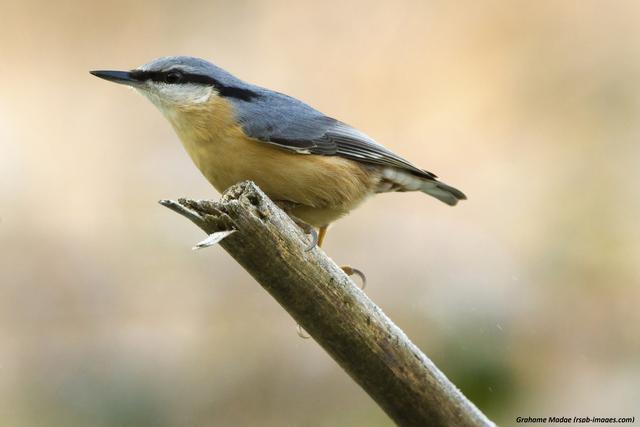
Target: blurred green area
526,295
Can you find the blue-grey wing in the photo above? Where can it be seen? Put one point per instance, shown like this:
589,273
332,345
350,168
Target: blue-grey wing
290,124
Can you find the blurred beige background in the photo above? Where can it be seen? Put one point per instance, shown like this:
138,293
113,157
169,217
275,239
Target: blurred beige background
526,295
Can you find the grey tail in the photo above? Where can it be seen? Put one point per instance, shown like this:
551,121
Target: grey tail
443,192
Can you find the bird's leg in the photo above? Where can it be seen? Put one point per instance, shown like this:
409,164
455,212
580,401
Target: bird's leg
348,270
317,238
322,234
287,206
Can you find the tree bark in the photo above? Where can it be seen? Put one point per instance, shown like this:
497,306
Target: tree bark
331,308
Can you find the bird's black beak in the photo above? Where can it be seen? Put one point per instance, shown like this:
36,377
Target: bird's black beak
122,77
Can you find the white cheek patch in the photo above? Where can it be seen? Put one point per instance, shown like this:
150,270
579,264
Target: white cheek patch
184,94
168,96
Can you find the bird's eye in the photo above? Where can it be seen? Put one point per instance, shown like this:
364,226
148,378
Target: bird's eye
173,77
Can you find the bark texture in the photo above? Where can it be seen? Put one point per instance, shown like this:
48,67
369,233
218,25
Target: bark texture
331,308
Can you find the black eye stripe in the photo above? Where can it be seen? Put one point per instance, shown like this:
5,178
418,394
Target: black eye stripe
223,90
161,77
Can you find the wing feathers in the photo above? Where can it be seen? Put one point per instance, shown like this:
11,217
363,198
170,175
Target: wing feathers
290,124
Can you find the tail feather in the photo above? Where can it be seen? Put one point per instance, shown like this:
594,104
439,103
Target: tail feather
395,179
443,192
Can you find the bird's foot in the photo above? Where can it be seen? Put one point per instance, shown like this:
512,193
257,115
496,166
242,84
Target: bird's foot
350,271
302,333
308,229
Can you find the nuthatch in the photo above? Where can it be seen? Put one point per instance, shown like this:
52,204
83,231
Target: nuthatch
317,168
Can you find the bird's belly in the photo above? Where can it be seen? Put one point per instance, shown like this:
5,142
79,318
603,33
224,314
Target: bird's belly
324,187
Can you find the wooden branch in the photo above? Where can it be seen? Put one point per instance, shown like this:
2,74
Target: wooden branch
331,308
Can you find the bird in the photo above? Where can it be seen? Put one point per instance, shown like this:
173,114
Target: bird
315,167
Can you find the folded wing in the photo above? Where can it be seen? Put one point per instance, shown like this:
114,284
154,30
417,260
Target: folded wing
293,125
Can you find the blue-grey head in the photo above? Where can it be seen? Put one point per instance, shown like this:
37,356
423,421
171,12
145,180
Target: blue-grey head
173,82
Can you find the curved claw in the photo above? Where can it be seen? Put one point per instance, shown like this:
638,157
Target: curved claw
301,333
350,271
314,239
